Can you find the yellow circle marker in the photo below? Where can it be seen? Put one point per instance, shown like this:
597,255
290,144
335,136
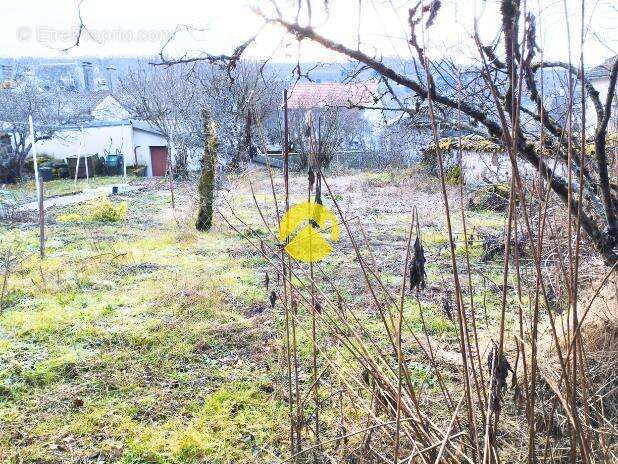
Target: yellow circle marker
308,245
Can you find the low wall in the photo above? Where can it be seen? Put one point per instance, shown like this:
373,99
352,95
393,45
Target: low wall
487,167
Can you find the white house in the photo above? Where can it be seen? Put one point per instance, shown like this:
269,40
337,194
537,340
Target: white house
108,129
599,78
139,143
358,99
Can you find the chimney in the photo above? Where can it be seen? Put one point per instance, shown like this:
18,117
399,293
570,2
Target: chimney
111,77
88,77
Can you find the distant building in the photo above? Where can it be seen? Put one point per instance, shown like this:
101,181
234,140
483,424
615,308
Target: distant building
101,125
6,77
88,76
59,77
599,78
66,76
95,120
82,96
309,95
140,143
110,76
79,107
355,99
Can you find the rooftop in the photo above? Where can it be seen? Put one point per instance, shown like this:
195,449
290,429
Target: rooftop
136,123
316,95
603,69
72,105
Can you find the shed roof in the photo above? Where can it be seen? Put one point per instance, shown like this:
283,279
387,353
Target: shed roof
315,95
137,124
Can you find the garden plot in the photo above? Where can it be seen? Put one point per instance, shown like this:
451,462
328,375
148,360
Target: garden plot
141,340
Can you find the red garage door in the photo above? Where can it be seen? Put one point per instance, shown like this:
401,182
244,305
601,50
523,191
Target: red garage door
158,159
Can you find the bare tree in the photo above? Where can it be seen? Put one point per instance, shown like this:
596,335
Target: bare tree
244,101
165,97
16,105
171,97
321,132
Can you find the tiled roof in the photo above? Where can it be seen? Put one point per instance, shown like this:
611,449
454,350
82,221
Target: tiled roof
603,69
314,95
81,103
70,104
78,105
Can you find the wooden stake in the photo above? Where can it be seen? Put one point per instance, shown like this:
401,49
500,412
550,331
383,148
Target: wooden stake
42,220
39,190
85,157
81,148
34,160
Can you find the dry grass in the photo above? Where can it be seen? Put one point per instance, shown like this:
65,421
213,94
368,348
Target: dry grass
146,342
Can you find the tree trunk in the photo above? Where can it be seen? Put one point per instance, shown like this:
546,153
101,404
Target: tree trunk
182,170
206,186
21,161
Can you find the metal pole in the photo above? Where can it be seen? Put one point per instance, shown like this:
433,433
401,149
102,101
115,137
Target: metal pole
39,191
286,153
41,221
36,166
124,158
85,157
81,145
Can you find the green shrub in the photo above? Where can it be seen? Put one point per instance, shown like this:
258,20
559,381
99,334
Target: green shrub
104,210
454,176
99,210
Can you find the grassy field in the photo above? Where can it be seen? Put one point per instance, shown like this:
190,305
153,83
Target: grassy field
143,341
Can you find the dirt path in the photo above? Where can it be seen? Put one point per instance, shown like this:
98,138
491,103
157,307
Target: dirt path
58,201
68,199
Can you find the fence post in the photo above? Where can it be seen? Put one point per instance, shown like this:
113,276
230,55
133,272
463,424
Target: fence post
42,219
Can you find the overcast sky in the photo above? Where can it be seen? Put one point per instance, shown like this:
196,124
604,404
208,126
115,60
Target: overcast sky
139,27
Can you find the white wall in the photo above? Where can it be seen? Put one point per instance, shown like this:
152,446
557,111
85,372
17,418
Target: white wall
143,140
194,162
96,141
480,167
130,141
602,86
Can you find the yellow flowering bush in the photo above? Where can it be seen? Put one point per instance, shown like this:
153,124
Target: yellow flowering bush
98,210
103,210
